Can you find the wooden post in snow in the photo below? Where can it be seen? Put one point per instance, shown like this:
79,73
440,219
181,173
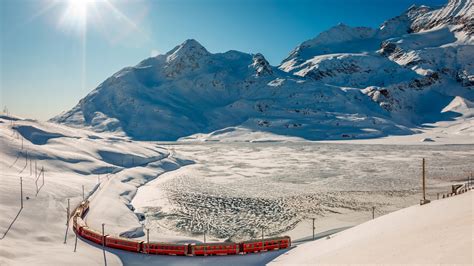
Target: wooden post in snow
205,247
313,226
148,240
103,243
424,194
424,200
373,212
75,244
21,192
103,236
67,220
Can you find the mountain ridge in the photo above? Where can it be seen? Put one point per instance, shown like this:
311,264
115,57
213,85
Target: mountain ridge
347,82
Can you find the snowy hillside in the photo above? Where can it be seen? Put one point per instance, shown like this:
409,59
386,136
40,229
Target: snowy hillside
189,90
71,158
173,188
413,65
348,82
436,233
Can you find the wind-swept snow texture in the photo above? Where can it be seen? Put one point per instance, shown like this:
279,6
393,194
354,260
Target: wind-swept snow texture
71,158
143,184
437,233
348,82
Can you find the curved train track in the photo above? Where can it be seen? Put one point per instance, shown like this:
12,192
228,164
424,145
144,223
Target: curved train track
161,248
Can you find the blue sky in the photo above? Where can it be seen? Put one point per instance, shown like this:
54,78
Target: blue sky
46,67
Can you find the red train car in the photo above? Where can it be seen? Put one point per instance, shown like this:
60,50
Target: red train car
92,235
266,244
229,248
206,249
165,248
123,243
277,243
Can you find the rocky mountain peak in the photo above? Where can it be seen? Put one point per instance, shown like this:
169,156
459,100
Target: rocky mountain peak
458,13
185,57
190,48
261,65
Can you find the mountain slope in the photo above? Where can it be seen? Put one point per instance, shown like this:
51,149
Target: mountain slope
412,65
348,82
189,90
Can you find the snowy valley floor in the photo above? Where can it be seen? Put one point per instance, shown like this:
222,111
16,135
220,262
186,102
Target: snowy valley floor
228,189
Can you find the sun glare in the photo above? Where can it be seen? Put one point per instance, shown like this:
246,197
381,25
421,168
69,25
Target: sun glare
76,14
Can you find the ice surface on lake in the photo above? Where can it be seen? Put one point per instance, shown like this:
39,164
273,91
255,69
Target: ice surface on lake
235,189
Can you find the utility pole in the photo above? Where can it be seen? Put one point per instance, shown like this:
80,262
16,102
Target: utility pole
424,194
373,212
424,200
313,226
21,192
205,247
103,237
470,181
148,239
67,220
103,243
75,244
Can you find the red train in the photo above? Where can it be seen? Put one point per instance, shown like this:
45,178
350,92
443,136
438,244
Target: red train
195,249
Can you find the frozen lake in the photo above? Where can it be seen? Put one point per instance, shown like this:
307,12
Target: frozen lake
234,189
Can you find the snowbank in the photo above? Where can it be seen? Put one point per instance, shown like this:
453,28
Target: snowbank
436,233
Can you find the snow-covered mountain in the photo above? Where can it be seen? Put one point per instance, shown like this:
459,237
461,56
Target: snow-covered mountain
413,65
354,82
189,90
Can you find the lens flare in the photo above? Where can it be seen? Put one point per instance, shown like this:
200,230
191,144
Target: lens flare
76,14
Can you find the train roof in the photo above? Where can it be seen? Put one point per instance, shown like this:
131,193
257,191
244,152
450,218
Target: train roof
125,239
267,239
215,244
166,244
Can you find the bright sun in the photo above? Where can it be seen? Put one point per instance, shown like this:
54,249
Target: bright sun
76,13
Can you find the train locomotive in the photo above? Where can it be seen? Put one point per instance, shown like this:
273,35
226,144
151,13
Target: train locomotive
176,249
